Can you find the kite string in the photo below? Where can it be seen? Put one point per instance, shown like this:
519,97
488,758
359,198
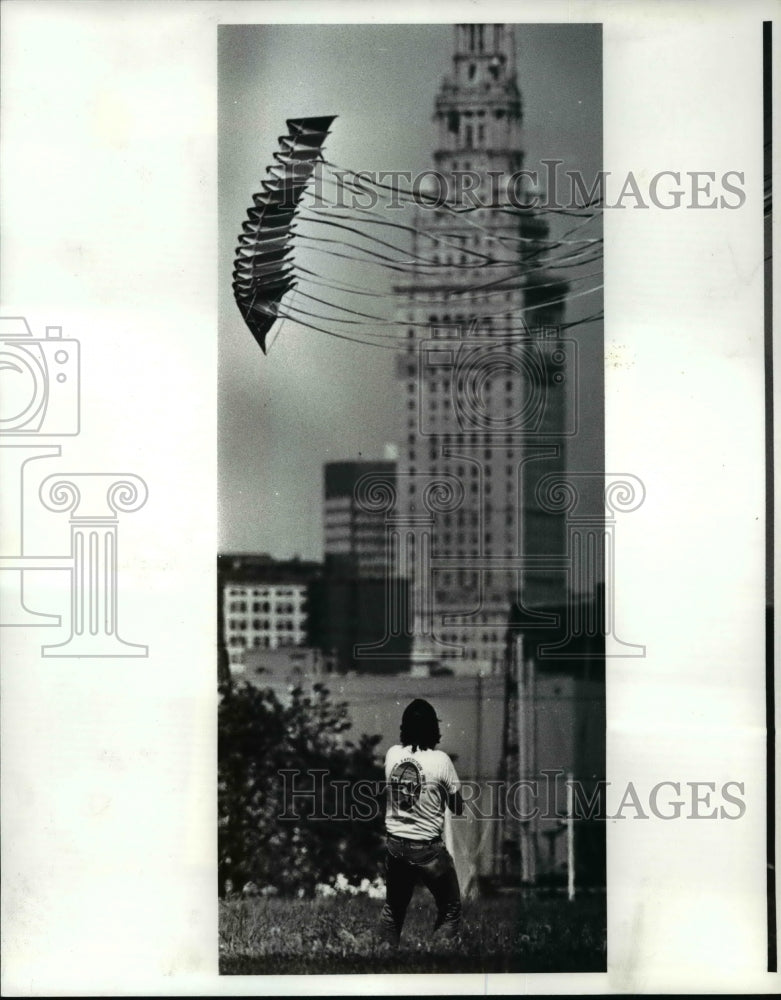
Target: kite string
522,266
413,197
415,323
542,243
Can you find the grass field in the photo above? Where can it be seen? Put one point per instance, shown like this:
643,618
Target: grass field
339,935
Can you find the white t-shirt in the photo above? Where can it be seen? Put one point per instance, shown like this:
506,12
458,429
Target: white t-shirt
418,786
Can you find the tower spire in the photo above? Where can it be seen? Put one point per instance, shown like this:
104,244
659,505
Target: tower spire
478,109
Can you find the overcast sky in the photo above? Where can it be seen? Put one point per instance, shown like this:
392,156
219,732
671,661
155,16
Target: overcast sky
314,398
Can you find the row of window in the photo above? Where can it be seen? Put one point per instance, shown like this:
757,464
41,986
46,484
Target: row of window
436,457
460,319
461,517
487,394
474,487
260,642
264,607
434,385
263,625
264,592
465,638
461,471
448,654
448,440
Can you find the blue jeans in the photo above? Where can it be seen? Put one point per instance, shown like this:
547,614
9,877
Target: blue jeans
408,862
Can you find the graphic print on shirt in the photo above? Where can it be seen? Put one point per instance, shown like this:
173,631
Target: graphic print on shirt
406,782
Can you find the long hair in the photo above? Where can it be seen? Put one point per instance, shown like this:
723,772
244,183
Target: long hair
420,726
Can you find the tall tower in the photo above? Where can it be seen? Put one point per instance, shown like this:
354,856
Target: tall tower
485,374
354,537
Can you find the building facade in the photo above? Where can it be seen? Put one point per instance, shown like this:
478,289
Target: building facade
486,375
354,535
351,617
264,603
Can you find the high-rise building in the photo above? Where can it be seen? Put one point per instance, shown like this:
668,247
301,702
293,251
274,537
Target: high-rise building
488,377
350,620
354,535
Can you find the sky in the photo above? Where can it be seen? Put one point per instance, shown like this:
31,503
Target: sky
314,398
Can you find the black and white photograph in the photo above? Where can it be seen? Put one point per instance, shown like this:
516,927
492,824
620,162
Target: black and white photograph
411,498
387,552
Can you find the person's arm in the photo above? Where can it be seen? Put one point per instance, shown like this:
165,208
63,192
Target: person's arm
454,801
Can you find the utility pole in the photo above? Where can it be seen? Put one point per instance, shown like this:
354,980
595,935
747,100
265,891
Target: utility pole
570,840
478,839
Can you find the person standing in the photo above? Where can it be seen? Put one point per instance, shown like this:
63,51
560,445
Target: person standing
421,783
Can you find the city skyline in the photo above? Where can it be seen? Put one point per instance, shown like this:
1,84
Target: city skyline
283,417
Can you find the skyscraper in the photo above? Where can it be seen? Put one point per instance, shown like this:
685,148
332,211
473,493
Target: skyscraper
488,377
354,537
350,605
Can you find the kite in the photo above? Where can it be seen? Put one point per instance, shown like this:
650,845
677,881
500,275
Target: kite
426,242
263,270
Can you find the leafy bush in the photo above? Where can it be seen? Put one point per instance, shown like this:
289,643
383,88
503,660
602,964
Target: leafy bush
259,737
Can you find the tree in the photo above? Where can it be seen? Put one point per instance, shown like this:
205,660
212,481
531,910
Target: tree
262,839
